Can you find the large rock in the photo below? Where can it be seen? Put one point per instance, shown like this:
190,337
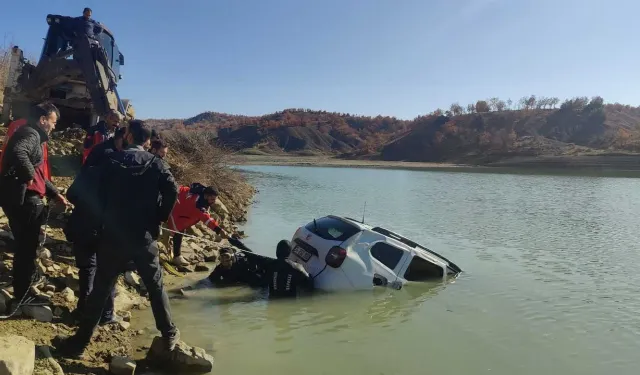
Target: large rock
39,313
68,295
17,355
211,255
122,366
194,231
73,282
220,208
182,359
132,279
201,267
124,300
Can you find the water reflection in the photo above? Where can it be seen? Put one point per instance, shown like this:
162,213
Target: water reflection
380,307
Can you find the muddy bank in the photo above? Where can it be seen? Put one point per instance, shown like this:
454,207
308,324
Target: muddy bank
328,161
626,165
59,276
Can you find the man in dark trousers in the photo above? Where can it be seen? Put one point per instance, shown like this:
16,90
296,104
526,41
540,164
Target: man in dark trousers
83,226
87,25
138,195
23,185
287,278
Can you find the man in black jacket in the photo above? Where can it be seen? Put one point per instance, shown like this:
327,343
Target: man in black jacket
22,186
131,221
287,278
83,226
234,269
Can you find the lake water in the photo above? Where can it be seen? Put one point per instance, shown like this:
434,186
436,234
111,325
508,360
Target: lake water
550,283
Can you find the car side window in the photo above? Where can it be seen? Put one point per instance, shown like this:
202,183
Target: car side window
387,254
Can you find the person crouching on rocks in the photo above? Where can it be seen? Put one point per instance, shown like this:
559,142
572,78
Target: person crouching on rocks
192,206
23,185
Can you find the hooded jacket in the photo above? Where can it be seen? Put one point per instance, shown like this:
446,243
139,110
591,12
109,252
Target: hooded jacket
138,196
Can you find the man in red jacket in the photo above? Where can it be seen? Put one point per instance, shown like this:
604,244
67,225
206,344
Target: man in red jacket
101,132
192,206
13,126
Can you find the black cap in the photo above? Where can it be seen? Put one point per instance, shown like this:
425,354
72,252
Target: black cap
210,190
283,249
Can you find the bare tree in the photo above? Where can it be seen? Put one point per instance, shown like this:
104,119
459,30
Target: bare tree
471,108
493,103
509,103
500,105
523,103
456,109
542,102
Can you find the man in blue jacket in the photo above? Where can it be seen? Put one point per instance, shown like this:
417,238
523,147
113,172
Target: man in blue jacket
87,25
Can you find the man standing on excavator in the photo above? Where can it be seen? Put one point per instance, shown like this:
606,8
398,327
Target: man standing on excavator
87,25
101,132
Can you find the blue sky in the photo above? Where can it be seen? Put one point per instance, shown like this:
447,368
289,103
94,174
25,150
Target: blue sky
395,57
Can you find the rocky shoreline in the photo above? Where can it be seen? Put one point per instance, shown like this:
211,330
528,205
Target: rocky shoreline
111,349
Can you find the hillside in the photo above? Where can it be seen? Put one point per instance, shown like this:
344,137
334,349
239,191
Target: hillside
485,132
294,130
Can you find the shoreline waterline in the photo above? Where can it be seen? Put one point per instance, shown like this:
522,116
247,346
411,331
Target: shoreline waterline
602,167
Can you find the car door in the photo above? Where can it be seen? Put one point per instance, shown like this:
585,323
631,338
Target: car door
388,259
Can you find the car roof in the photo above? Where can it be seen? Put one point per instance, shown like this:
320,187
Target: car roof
379,232
395,239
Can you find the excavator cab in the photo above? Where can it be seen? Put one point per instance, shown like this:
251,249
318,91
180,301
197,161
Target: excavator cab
77,73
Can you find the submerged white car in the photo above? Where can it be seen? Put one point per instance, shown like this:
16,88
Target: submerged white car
345,254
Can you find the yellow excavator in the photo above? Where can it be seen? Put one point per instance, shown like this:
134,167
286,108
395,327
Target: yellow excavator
77,73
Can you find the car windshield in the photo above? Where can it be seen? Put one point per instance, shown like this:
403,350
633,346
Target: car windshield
333,229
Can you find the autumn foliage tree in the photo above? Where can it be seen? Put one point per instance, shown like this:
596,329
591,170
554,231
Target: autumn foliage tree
482,106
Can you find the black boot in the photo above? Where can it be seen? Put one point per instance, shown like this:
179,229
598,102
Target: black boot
68,347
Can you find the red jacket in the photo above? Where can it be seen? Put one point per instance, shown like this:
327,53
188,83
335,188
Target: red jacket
13,126
95,135
186,212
